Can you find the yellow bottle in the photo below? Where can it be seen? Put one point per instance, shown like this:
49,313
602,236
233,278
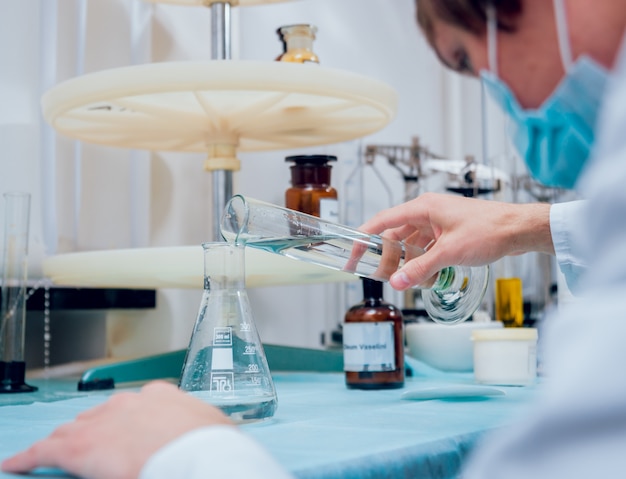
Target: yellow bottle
297,43
509,302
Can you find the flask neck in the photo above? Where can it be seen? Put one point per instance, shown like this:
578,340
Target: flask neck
224,267
298,37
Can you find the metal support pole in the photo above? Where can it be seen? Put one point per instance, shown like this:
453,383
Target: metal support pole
220,50
220,31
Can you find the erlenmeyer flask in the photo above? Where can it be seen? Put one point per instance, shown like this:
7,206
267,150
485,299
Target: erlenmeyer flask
225,363
454,295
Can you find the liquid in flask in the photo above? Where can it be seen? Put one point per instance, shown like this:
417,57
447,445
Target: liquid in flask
225,363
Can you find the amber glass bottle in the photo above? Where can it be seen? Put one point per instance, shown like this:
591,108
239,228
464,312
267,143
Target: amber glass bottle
373,342
297,43
310,190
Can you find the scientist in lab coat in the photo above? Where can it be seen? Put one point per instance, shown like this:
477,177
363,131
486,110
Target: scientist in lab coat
558,68
552,122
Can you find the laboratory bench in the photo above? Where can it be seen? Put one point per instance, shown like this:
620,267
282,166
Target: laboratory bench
321,428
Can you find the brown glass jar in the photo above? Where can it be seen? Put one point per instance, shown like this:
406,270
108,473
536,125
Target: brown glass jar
373,342
310,190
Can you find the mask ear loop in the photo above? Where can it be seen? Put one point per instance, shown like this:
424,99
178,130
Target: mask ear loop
563,34
492,58
492,39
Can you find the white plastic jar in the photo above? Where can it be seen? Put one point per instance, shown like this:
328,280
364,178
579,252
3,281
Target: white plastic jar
505,357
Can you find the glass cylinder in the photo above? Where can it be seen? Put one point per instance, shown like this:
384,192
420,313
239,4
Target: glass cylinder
15,271
297,43
225,362
373,341
453,295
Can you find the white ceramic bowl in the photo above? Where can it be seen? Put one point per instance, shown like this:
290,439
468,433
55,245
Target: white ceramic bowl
445,347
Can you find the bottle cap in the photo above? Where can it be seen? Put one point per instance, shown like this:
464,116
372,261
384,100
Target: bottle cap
297,29
311,160
505,334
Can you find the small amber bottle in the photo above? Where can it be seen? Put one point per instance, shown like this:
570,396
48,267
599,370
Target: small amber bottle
373,342
510,302
310,190
297,43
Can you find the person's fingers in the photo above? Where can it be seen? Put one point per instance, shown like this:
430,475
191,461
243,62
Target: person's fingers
357,252
390,259
78,447
417,243
410,235
409,212
44,453
211,415
414,241
419,271
400,281
159,387
93,412
400,233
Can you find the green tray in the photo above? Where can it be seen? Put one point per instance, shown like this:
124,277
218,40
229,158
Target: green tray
169,366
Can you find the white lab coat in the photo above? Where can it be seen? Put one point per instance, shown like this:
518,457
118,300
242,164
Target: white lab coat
578,428
565,220
213,452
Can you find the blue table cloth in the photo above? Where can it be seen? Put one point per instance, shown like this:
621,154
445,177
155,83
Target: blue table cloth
321,428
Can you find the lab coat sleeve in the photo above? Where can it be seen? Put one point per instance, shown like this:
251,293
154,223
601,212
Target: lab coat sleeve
216,452
565,218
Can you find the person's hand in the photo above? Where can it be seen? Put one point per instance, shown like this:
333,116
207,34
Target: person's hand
115,439
460,231
391,255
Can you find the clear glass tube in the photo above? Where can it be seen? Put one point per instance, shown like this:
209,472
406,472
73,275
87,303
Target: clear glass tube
13,310
454,295
226,363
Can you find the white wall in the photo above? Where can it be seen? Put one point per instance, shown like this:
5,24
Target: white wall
19,113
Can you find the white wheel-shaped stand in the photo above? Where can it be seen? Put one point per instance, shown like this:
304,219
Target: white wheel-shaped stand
219,107
176,267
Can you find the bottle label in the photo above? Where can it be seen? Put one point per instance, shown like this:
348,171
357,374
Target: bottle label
368,347
329,209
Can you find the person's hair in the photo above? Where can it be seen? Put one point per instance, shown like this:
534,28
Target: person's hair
470,15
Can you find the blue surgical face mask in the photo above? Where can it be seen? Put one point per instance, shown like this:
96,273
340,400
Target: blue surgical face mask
555,139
